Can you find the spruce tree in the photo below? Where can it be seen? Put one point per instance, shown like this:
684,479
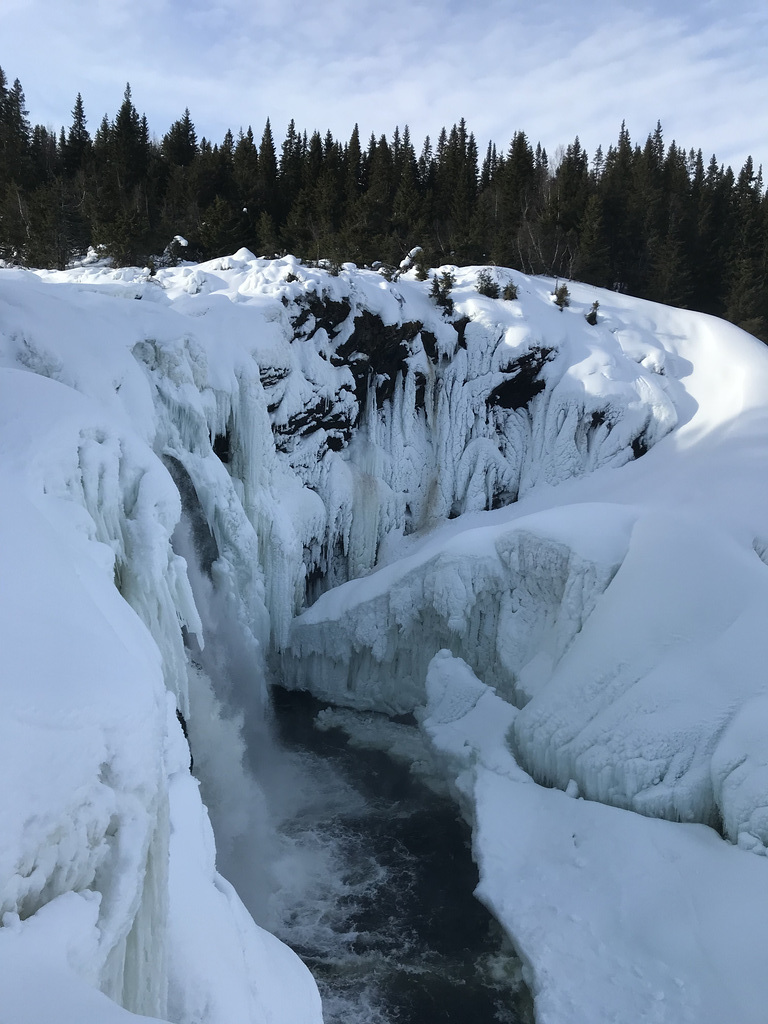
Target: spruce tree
15,134
592,263
179,146
618,210
77,148
127,144
267,194
652,222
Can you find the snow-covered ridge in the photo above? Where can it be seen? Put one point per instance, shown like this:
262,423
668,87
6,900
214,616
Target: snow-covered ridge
571,509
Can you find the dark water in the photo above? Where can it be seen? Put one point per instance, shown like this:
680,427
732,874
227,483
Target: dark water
378,883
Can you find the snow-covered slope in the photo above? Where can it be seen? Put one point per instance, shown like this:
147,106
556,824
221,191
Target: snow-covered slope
575,511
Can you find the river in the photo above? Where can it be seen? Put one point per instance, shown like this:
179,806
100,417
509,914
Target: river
373,887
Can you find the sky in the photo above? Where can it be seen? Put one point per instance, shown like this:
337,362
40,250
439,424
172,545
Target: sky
552,70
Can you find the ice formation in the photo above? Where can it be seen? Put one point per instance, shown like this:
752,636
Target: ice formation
543,537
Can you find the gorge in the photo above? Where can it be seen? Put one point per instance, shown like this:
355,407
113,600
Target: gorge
521,553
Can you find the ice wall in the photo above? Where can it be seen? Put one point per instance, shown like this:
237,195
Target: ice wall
85,685
509,598
106,845
446,416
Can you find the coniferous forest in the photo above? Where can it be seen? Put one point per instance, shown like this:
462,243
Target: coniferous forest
654,220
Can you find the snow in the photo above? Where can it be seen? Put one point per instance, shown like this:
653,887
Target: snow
597,941
545,539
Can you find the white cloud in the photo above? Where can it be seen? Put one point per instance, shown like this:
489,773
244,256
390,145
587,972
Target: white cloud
551,70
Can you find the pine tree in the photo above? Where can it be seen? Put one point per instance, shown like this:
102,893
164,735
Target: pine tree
379,195
712,238
592,263
179,145
516,176
121,207
487,285
267,235
561,296
406,203
77,148
43,157
746,304
649,185
267,195
219,231
245,174
328,199
290,170
312,163
353,167
669,279
128,145
15,134
570,189
618,211
212,172
15,170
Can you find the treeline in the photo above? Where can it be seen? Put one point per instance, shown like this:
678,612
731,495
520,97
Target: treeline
653,220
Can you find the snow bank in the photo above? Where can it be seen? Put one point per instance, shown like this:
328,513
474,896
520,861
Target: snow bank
618,917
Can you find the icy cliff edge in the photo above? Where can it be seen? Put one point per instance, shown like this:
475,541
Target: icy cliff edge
111,905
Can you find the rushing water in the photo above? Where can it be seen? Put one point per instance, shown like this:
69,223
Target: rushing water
341,852
373,888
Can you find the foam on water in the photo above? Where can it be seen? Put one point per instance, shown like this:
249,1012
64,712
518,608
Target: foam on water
374,888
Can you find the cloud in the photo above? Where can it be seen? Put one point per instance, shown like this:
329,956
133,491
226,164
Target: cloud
549,69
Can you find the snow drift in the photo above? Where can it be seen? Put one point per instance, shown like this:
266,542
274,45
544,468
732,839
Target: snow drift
544,538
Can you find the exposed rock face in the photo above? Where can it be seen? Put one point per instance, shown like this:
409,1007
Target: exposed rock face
377,353
524,380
